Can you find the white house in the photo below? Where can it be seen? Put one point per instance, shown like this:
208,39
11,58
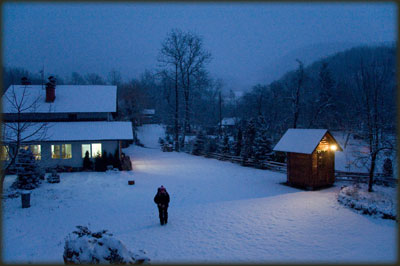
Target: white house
63,122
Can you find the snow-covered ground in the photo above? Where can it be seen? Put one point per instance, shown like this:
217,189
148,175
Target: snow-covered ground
219,212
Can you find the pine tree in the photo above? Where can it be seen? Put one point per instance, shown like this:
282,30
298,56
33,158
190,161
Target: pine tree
249,135
262,144
223,145
238,142
100,162
211,146
116,161
28,171
198,146
387,167
87,164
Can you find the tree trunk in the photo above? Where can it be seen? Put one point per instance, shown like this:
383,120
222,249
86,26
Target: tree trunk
371,172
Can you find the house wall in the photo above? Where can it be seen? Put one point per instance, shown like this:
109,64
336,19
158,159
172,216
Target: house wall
299,168
76,161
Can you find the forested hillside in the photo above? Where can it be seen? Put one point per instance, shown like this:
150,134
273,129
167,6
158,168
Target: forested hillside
341,92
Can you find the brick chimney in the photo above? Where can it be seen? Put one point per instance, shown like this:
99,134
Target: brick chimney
51,90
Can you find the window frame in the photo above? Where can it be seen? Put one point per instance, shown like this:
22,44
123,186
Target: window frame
61,151
101,149
90,150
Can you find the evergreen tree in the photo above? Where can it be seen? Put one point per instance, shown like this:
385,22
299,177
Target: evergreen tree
105,161
28,171
223,146
87,164
238,142
198,146
97,163
387,167
116,161
100,162
249,135
262,144
211,146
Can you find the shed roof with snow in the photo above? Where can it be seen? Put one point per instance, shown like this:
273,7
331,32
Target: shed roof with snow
75,131
302,140
69,99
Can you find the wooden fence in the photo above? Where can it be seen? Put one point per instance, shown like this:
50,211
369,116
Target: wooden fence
379,178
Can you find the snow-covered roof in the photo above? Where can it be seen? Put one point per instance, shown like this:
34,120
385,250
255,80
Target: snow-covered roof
300,140
76,131
69,98
148,111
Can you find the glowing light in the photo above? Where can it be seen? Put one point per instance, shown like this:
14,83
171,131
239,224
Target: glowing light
333,147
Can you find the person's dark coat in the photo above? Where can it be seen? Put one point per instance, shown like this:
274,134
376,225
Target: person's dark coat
162,201
162,198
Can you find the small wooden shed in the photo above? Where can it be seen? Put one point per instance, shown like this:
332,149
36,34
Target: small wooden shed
310,157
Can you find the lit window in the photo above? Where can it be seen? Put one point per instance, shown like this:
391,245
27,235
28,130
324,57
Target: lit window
96,150
4,153
86,148
63,151
36,151
55,152
66,151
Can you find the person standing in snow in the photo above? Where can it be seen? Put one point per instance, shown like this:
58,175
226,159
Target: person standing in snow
162,201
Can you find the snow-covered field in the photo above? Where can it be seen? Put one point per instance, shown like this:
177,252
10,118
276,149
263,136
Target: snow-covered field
219,212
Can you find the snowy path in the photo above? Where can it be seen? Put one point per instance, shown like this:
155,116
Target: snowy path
219,212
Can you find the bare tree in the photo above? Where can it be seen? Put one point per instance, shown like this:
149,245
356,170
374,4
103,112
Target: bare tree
77,79
18,132
298,84
373,85
171,55
114,77
324,102
94,79
194,59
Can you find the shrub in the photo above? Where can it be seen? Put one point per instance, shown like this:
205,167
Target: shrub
86,247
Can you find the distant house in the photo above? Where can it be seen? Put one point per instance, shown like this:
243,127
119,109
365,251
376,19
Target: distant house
77,119
310,157
228,124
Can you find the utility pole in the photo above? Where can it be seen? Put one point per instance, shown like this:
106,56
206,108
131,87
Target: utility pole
42,75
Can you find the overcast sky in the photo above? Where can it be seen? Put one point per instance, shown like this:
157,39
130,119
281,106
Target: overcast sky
245,40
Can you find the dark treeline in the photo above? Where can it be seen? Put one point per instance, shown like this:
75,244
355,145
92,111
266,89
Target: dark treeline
345,91
353,91
337,93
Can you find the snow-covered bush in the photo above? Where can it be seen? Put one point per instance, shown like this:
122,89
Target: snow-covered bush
387,167
223,144
211,146
86,247
87,163
54,177
249,135
28,171
198,146
380,203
